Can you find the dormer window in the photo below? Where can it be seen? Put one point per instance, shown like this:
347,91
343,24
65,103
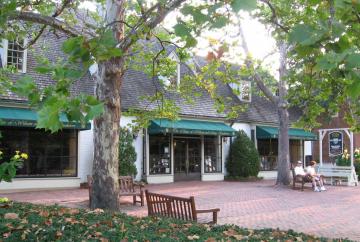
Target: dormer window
13,54
172,80
242,90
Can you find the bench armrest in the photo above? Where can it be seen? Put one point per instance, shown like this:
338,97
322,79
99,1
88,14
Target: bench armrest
214,211
139,184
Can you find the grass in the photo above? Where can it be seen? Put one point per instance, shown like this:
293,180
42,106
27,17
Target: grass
29,222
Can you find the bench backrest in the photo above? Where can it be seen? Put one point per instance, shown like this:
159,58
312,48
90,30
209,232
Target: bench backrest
341,171
126,184
171,206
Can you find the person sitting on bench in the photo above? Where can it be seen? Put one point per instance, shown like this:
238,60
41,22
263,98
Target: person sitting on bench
318,178
299,170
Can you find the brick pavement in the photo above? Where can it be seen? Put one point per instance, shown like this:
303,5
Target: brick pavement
334,213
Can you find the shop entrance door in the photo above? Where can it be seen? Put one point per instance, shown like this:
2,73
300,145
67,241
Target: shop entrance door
187,159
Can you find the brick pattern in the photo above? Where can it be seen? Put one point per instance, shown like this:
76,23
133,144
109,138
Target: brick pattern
334,213
336,122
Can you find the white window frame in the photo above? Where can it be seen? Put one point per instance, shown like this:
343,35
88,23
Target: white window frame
173,56
4,55
239,88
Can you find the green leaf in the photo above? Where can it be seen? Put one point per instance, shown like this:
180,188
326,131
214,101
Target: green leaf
181,30
49,119
220,22
95,111
354,89
305,35
246,5
352,61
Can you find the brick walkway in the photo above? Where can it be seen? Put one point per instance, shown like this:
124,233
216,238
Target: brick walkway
334,213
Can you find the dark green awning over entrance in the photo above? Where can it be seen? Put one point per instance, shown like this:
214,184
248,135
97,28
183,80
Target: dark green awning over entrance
22,117
267,132
184,126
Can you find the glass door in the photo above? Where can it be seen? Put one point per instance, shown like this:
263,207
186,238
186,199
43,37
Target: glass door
187,159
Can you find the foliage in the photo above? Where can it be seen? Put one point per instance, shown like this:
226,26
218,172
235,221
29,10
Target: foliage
27,222
127,153
344,160
243,160
8,168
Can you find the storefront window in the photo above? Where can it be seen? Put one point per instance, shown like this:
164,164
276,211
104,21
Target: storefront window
159,154
268,151
49,154
212,154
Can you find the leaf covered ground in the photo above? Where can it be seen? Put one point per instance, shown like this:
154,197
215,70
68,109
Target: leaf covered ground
29,222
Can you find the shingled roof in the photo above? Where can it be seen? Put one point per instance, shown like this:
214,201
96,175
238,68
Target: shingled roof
137,84
48,45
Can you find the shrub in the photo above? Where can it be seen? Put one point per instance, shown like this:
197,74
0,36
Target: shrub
127,153
243,160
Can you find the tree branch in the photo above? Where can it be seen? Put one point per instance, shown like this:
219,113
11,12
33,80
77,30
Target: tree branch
274,18
149,22
57,13
250,65
48,21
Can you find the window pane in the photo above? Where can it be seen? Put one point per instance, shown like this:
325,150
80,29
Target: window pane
159,157
212,154
15,54
49,154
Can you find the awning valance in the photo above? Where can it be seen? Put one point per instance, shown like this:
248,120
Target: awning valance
184,126
22,117
267,132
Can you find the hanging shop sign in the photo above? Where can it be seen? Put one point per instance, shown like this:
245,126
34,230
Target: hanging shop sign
335,143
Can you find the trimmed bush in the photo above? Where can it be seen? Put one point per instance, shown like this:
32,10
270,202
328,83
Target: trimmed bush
243,160
127,153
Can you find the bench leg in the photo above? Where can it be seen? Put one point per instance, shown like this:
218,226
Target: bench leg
134,199
142,198
302,186
215,217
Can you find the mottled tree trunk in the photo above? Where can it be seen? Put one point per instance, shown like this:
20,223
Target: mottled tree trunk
106,128
283,176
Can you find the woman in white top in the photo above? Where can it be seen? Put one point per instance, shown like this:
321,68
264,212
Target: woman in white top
318,178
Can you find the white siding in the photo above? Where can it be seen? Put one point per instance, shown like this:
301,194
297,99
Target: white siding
138,144
308,148
85,153
226,145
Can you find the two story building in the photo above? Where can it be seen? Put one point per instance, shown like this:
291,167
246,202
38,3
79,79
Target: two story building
192,148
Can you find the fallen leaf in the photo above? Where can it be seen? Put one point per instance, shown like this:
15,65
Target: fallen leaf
48,222
104,240
11,216
6,235
44,213
98,234
58,234
193,237
211,239
163,230
73,211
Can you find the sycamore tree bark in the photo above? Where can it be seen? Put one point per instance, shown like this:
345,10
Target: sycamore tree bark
283,175
106,127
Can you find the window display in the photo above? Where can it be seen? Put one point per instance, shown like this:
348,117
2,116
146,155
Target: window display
212,154
159,154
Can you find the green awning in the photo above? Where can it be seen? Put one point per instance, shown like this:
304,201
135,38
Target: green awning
267,132
22,117
162,126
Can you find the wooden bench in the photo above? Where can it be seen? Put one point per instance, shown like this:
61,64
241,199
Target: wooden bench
339,173
128,188
300,179
176,207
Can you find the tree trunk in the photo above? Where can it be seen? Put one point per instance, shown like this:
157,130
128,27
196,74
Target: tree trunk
105,188
283,177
